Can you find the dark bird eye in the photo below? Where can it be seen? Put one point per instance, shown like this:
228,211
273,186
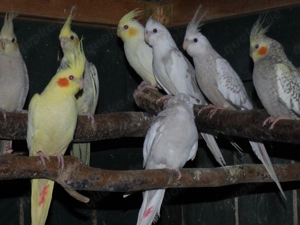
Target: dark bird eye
195,40
154,30
13,40
72,37
71,77
256,46
125,27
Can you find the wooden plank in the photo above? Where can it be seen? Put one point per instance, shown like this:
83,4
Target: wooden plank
109,13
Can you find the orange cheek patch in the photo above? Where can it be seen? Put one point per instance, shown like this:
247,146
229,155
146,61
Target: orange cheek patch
132,31
63,82
262,50
43,194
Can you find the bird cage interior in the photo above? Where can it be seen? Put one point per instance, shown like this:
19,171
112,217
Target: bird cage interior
156,137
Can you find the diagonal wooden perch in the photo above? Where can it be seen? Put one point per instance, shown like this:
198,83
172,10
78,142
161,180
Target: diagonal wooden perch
77,176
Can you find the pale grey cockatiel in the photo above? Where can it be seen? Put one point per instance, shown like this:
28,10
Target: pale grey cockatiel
137,51
175,74
14,83
87,98
275,78
220,83
171,141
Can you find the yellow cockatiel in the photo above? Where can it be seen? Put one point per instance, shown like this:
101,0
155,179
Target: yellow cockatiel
52,118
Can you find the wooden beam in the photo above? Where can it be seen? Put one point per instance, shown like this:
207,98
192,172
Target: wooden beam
98,13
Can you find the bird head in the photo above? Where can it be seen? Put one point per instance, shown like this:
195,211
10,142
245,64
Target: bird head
259,43
69,80
157,34
68,39
129,28
194,42
8,39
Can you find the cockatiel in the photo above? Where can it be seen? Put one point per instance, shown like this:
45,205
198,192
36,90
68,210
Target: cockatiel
137,51
87,99
175,73
220,83
14,83
166,146
275,78
52,118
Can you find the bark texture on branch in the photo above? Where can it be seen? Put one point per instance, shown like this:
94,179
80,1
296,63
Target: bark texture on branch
77,176
246,123
106,126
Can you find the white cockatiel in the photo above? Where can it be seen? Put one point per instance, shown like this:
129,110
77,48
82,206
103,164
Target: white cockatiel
14,83
220,83
87,98
175,74
137,51
166,146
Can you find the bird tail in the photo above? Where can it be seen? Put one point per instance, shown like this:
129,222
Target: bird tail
82,151
5,147
149,212
41,195
214,148
261,152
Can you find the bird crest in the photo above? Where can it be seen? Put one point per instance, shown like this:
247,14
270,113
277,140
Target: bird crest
194,25
131,15
8,26
258,31
66,29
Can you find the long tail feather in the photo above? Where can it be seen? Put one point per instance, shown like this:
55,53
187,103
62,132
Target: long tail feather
82,151
41,195
261,152
214,148
149,212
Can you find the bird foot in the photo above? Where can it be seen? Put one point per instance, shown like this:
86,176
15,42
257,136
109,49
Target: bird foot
3,113
179,174
210,106
274,120
43,157
21,111
164,99
145,85
90,116
8,148
60,159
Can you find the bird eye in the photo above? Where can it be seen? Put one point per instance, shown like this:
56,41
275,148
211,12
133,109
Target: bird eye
125,27
195,40
13,40
256,46
72,37
154,30
71,77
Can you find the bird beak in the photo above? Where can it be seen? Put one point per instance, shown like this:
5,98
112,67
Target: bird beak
146,37
118,32
81,83
63,42
3,45
185,44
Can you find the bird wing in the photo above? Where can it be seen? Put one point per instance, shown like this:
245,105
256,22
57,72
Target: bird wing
95,85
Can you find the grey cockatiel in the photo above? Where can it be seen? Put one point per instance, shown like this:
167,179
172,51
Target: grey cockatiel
175,74
14,81
275,78
137,51
87,98
220,83
166,146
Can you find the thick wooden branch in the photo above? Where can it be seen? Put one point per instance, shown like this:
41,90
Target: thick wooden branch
106,126
77,176
246,124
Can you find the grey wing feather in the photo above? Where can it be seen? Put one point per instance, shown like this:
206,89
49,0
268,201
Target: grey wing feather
26,88
95,86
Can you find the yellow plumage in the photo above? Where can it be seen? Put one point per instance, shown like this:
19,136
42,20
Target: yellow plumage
52,118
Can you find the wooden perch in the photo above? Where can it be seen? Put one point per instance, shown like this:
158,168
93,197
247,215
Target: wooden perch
106,126
246,123
77,176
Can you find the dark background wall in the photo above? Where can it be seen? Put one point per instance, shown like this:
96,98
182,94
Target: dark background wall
238,204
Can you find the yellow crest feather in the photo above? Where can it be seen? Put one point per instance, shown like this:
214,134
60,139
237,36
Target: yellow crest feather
66,29
131,15
8,26
258,31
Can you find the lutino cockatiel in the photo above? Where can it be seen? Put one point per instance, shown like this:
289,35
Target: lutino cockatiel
137,51
275,78
87,98
166,146
14,81
175,74
220,83
52,118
